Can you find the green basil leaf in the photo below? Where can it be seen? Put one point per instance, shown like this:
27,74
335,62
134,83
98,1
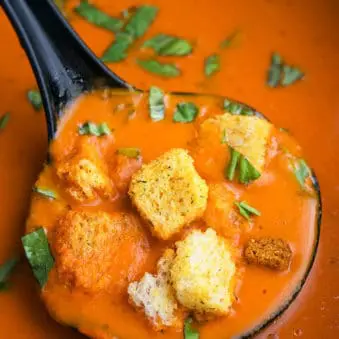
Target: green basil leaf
250,210
229,40
117,51
34,97
301,171
290,75
130,152
156,104
141,21
243,211
233,164
189,331
5,271
91,128
155,67
45,192
212,65
237,108
97,17
185,112
167,45
274,72
38,254
4,120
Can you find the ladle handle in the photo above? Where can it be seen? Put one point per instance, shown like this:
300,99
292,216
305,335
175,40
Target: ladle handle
63,65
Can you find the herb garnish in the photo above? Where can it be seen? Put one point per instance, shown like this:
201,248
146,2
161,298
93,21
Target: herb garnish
45,192
5,271
156,104
236,108
117,51
212,64
282,74
97,17
130,152
91,128
185,112
34,97
4,120
246,210
154,66
189,331
301,171
246,172
167,45
229,40
38,254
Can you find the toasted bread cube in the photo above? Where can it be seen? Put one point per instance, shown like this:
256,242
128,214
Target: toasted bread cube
169,193
270,252
85,175
202,273
155,296
246,134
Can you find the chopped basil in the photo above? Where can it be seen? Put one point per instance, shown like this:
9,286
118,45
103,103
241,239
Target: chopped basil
301,171
236,108
246,210
246,172
156,104
212,64
5,271
141,21
282,74
91,128
45,192
153,66
130,152
290,75
34,97
185,112
117,51
189,332
38,254
168,45
97,17
229,40
4,120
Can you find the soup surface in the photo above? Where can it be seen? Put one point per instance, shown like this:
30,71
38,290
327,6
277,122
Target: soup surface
305,108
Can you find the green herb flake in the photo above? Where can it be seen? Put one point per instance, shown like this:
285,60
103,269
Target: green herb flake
247,210
38,254
236,108
233,164
290,75
34,97
167,45
212,65
130,152
274,72
45,192
229,41
189,331
156,104
6,270
301,171
141,21
155,67
97,17
185,112
4,120
118,50
91,128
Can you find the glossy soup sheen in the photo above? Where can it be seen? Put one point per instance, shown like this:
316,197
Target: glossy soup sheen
304,33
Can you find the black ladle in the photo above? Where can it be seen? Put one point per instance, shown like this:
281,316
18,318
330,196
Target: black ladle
65,67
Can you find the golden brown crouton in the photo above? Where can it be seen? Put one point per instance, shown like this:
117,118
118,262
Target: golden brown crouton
202,273
155,296
84,243
269,252
246,134
169,192
85,175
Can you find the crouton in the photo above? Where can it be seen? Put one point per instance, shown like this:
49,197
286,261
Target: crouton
155,296
169,193
220,214
85,175
202,273
246,134
270,252
84,243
